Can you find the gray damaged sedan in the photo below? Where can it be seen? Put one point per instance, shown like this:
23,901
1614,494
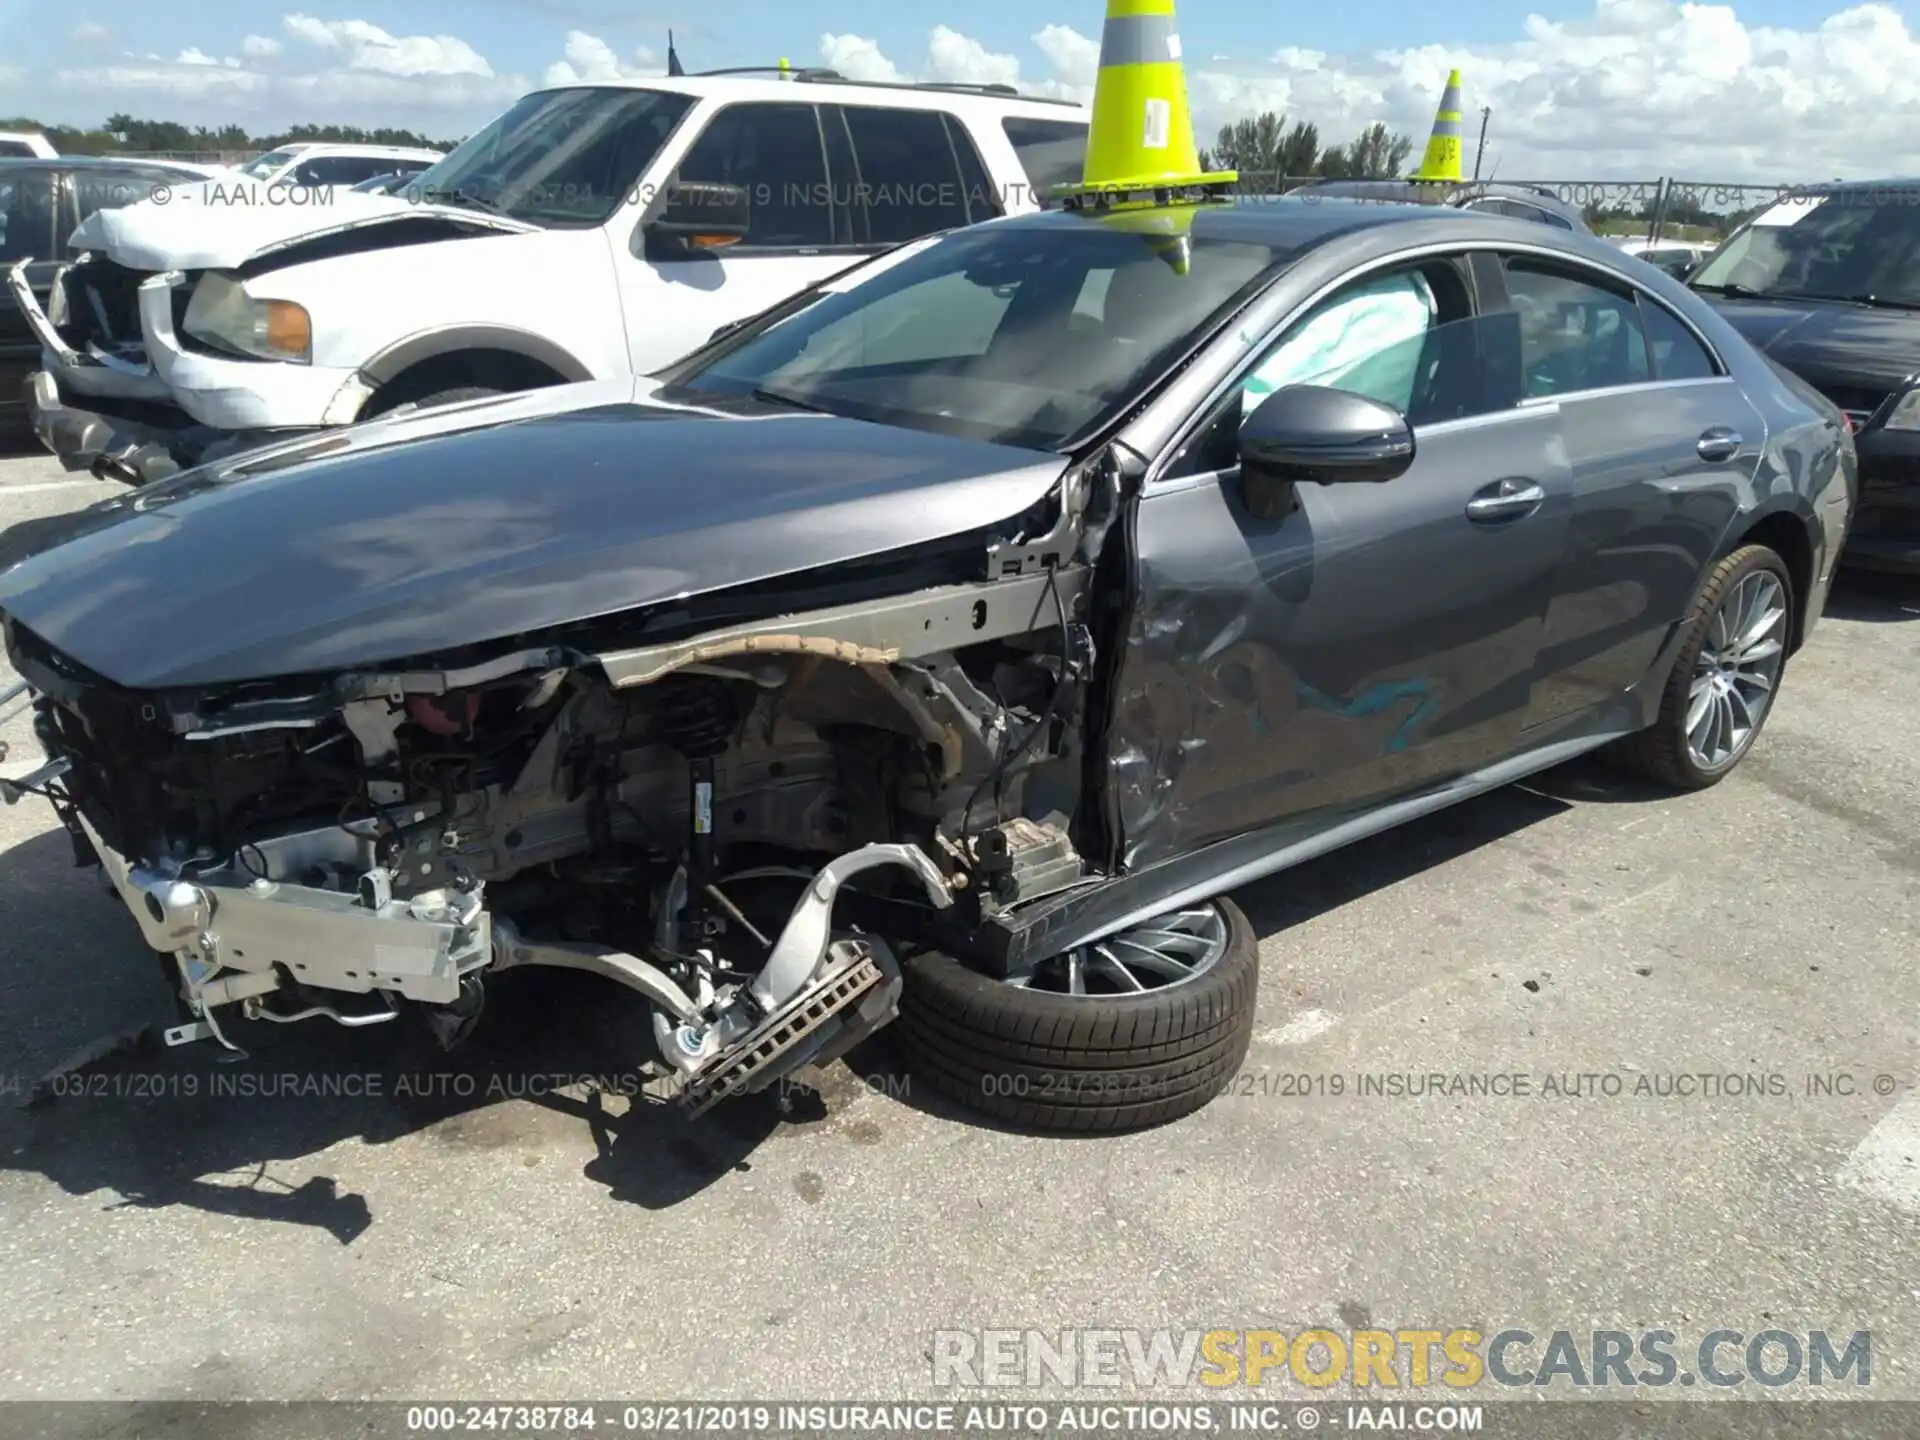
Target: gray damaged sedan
938,649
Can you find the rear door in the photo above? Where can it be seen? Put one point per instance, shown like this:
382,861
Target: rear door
1660,441
29,211
1378,639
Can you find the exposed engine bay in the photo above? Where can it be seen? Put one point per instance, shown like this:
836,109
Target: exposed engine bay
375,842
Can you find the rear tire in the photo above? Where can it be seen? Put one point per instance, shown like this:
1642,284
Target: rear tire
1084,1063
1725,625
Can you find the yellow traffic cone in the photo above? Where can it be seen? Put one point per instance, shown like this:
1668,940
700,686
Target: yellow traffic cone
1140,142
1441,164
1165,230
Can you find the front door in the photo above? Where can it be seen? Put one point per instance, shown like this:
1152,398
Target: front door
1376,641
829,186
1660,442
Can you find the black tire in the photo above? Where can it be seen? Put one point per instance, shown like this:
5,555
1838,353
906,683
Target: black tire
451,396
1660,753
1087,1065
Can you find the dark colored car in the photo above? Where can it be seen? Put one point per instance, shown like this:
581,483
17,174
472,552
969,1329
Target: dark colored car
1522,202
41,201
942,645
1827,283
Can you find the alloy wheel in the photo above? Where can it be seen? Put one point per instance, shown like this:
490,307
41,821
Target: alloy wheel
1158,954
1737,670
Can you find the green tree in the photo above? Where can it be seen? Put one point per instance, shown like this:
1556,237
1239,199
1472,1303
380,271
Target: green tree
1378,153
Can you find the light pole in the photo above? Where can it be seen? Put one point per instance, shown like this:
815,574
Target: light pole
1481,149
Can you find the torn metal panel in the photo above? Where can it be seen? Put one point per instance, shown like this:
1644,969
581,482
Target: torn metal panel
875,632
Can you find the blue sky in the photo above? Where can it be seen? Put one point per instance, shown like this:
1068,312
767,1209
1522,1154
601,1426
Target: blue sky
1755,89
756,30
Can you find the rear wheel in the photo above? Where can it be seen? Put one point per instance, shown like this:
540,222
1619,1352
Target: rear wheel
1135,1030
1724,680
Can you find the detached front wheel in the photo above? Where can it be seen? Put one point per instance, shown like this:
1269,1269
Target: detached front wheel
1135,1030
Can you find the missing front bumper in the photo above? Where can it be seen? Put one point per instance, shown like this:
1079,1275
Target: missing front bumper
239,937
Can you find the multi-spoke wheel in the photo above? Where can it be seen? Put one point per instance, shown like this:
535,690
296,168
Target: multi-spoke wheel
1728,671
1736,670
1172,950
1135,1029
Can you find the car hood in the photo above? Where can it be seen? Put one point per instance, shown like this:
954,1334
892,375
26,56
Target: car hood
224,223
1832,345
499,520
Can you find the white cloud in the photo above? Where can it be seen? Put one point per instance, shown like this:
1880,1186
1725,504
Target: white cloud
1632,89
365,46
858,58
194,56
259,47
589,58
87,32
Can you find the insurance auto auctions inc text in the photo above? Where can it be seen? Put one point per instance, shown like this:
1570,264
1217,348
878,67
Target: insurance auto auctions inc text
1370,1359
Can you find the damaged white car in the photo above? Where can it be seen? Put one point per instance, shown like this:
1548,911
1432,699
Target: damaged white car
591,231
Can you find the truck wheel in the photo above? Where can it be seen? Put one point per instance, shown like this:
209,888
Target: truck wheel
451,396
1132,1031
1724,680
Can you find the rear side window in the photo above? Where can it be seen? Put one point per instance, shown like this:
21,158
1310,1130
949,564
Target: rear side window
96,189
1052,152
16,148
909,180
1676,354
340,169
1575,334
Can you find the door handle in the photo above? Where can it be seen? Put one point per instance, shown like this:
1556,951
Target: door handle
1720,443
1509,499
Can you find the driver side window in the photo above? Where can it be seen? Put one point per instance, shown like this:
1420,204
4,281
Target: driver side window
1406,338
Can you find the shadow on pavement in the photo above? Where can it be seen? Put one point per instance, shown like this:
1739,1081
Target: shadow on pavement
1874,597
159,1128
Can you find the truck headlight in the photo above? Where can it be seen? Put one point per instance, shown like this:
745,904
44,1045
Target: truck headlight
222,314
1906,414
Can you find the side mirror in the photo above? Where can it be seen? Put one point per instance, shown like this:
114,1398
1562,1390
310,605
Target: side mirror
699,217
1312,433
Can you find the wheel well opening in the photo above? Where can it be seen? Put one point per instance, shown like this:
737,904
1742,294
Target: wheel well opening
503,370
1786,535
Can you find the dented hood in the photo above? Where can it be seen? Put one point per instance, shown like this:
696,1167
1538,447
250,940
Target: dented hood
573,503
222,224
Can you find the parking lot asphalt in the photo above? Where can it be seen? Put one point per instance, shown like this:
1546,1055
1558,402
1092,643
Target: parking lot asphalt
160,1240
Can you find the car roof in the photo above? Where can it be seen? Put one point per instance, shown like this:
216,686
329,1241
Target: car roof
94,162
1298,222
349,147
764,83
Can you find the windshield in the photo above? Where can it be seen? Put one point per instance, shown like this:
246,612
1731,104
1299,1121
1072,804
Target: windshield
558,157
1844,246
263,166
1018,334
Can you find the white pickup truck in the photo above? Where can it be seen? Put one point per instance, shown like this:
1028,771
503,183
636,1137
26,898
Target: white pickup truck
591,231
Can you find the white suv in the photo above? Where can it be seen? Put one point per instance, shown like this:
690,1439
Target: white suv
591,231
